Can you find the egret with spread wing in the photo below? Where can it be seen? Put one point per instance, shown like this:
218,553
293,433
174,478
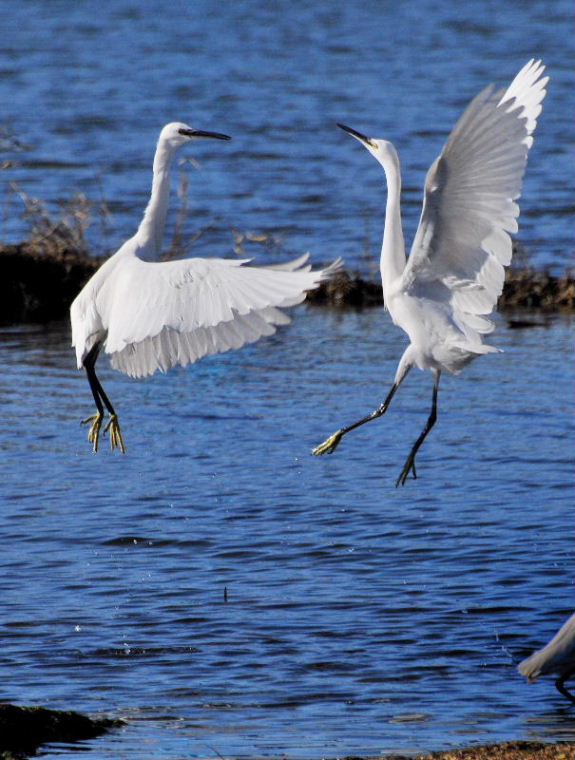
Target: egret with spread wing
149,314
442,294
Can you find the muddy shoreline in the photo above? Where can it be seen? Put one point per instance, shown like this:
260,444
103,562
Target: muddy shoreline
513,750
24,729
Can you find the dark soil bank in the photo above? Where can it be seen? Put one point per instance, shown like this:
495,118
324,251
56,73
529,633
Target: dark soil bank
38,285
24,729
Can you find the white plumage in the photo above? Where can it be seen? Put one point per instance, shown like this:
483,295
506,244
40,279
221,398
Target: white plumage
556,657
442,295
153,315
150,315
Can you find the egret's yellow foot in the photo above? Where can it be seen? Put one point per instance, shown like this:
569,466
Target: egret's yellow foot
329,445
408,467
116,440
94,432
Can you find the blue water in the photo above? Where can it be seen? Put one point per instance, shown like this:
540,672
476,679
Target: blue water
218,587
358,617
89,86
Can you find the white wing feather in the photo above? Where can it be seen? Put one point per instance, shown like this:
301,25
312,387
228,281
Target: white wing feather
159,314
469,209
558,656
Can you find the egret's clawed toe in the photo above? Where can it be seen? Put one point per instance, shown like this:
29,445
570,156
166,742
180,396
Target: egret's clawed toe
116,440
113,427
94,432
408,467
329,445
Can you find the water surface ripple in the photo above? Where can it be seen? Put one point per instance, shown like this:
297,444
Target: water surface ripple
358,617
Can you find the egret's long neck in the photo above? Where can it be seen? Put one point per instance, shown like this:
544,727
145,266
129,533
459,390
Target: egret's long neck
393,248
151,229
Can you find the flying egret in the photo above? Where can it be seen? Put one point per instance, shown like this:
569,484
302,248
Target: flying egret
441,295
149,315
558,657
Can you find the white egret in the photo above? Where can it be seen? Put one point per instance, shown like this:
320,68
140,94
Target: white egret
441,295
557,657
149,314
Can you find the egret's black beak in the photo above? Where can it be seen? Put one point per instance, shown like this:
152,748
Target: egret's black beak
202,133
355,133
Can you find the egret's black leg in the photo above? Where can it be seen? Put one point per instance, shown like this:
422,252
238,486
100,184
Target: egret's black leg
95,385
409,465
560,685
330,444
100,396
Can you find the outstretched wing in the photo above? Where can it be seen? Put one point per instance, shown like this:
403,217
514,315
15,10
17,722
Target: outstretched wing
462,242
164,313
